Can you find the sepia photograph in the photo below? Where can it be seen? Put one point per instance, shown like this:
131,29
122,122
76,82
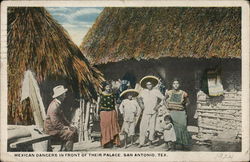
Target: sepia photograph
125,81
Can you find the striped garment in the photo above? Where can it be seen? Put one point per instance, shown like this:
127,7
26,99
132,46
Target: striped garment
176,99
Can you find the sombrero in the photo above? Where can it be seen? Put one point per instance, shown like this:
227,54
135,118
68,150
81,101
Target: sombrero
59,90
132,92
152,79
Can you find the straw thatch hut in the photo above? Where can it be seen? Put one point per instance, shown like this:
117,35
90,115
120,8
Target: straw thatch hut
170,42
38,43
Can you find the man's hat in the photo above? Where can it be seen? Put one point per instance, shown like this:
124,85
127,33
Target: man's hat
152,79
127,92
59,90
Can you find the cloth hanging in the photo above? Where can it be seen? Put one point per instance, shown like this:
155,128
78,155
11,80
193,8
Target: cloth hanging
215,87
31,89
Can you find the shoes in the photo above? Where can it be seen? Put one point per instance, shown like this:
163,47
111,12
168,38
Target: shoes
172,149
140,146
116,146
167,147
108,145
151,144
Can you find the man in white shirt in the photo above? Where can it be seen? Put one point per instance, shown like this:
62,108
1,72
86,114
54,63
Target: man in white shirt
151,98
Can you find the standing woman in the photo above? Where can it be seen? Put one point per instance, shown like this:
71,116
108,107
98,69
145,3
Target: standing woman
108,118
177,101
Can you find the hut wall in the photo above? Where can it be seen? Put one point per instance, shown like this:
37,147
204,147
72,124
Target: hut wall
188,70
219,116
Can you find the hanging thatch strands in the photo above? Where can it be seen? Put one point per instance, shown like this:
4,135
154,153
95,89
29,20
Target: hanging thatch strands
155,32
37,42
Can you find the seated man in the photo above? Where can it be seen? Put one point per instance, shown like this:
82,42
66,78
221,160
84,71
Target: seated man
56,123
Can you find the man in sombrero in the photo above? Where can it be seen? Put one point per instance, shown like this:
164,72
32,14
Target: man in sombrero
56,123
130,110
150,97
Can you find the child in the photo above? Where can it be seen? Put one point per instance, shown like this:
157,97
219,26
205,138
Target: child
168,132
161,112
130,110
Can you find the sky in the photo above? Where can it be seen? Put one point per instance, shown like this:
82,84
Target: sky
76,20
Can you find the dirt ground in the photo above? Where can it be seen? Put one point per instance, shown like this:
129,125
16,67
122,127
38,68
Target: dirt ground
95,146
158,146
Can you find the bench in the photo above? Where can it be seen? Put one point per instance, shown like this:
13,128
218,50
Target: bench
23,144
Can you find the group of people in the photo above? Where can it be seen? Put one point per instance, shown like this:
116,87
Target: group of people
163,115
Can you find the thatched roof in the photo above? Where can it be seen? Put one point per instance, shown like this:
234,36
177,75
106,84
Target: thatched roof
145,33
37,42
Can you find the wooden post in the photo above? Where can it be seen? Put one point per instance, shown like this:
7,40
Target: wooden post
83,118
80,121
82,105
86,134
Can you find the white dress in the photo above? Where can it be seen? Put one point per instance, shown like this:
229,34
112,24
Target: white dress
169,135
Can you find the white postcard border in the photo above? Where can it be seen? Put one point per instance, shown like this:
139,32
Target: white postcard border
172,156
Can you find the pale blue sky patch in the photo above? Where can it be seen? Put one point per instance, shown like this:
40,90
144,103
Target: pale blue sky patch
76,20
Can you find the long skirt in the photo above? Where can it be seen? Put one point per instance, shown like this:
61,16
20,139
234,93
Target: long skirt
180,126
109,128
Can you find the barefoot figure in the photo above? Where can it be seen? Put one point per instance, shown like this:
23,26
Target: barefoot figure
177,101
108,118
150,97
130,110
167,128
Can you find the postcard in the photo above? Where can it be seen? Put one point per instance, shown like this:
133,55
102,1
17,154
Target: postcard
124,80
